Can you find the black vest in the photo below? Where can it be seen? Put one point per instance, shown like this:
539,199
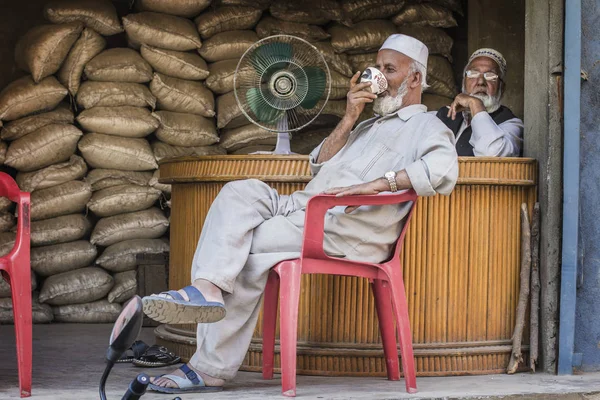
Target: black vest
463,147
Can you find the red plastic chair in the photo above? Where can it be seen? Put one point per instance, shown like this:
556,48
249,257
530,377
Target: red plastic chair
16,270
386,282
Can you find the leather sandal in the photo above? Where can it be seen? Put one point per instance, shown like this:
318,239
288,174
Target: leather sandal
136,350
156,356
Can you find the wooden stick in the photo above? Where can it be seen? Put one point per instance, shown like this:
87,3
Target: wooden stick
517,356
535,287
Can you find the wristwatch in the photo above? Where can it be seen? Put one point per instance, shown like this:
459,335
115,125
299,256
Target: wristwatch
391,178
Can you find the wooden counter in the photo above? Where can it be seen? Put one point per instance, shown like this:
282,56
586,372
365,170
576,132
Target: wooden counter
461,269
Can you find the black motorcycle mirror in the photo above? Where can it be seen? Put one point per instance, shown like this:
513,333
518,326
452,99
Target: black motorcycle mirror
126,329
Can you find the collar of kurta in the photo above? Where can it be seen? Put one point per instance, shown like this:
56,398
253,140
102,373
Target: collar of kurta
406,113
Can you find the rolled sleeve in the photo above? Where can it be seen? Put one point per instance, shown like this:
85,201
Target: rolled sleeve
419,178
496,140
312,160
436,168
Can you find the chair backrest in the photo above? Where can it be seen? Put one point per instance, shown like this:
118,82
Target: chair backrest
400,241
9,188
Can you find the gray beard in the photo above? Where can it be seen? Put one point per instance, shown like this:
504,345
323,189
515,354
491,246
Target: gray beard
387,105
491,103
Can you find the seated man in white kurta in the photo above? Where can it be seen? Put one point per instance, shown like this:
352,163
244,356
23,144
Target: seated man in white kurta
250,227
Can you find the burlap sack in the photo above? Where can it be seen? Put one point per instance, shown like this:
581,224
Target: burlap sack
85,48
340,85
163,151
82,285
220,80
103,178
227,45
119,65
107,151
5,290
97,312
180,129
48,145
229,114
40,313
360,62
23,97
436,40
247,135
425,15
7,221
178,64
226,19
3,149
269,26
363,37
440,77
163,187
147,224
59,258
122,199
53,175
114,94
5,204
360,10
7,242
125,287
21,127
99,15
317,12
259,4
182,8
121,256
161,30
63,229
124,121
63,199
305,142
338,62
43,48
182,96
435,102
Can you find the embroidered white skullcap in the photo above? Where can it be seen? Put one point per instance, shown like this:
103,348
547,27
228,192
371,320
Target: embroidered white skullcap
493,55
407,45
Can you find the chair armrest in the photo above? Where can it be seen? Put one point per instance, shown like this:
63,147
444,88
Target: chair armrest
9,188
317,206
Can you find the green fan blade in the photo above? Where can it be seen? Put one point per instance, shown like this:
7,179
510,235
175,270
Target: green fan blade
263,111
317,81
266,55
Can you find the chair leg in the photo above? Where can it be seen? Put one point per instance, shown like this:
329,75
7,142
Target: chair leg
270,300
385,315
290,277
21,297
403,325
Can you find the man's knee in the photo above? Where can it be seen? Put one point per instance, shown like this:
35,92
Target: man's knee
245,185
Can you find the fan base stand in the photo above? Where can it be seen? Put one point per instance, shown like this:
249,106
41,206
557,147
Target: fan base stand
283,144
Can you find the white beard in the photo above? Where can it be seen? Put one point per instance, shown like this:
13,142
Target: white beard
491,103
387,105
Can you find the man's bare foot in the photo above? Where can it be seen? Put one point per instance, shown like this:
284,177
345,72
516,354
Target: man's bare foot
167,383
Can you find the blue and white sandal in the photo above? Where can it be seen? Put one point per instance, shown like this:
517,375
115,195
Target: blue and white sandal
171,308
192,383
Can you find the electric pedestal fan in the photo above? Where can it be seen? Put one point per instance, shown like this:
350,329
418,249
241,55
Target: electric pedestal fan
284,78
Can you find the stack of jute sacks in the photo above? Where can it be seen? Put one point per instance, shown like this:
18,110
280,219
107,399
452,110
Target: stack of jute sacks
88,165
347,32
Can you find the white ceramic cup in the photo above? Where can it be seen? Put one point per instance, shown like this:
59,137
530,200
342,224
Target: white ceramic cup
377,79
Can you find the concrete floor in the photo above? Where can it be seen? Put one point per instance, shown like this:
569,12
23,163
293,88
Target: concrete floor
69,360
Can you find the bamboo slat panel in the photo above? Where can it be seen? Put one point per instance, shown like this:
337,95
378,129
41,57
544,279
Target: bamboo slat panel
461,269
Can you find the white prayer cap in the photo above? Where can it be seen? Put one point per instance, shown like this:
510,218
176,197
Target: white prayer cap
493,55
407,45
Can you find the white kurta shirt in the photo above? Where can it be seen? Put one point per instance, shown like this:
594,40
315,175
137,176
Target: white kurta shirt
493,140
411,140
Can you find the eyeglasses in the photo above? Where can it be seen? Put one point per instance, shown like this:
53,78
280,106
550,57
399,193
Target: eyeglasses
488,76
